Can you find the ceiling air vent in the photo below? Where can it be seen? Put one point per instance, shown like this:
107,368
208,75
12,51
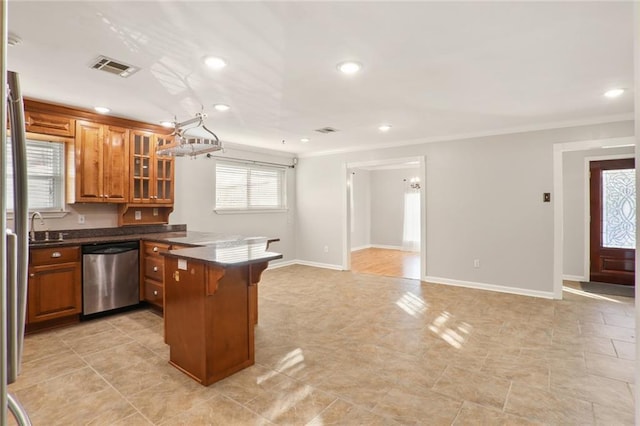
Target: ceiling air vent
326,130
113,67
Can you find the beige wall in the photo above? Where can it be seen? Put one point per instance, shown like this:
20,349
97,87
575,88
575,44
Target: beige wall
483,201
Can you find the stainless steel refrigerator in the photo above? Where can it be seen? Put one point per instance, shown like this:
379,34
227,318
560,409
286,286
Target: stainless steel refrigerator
14,249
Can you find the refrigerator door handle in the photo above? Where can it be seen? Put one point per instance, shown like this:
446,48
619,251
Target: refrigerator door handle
12,307
18,411
21,201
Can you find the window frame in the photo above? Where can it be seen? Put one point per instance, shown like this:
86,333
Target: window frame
68,173
248,164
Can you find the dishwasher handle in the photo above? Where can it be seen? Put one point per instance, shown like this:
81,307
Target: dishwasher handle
109,248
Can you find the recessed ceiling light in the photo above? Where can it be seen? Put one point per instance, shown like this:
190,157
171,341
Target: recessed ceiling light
222,107
613,93
214,62
102,110
349,67
305,140
167,124
384,127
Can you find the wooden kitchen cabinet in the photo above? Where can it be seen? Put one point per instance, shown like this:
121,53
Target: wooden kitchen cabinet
152,175
55,284
49,124
152,272
209,317
102,163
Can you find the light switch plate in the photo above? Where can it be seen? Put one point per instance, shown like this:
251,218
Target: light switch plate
138,215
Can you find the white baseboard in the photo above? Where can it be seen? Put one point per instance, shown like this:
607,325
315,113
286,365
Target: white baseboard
434,280
574,278
318,264
361,247
382,246
276,265
490,287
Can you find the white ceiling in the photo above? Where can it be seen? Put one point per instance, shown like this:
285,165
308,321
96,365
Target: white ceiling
434,70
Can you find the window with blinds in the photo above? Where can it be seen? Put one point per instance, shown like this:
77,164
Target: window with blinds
45,172
249,187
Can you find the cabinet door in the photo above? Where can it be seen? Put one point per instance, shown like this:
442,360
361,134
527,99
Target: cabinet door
141,167
48,124
54,291
163,177
116,165
89,171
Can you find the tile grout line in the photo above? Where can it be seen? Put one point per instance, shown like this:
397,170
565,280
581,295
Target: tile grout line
506,398
114,388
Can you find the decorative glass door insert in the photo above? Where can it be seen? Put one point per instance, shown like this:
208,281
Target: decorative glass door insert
619,208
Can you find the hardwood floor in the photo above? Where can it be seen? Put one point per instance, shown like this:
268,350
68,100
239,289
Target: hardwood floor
390,263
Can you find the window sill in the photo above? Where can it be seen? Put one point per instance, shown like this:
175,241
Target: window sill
248,211
45,214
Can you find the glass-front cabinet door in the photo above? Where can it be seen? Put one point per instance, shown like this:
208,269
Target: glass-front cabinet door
151,174
141,157
163,173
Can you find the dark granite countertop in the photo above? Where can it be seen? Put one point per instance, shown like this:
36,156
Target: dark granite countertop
186,238
228,253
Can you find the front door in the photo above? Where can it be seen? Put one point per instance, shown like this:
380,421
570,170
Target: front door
613,221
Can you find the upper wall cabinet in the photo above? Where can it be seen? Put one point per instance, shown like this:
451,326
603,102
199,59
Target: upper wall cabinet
49,124
102,163
151,174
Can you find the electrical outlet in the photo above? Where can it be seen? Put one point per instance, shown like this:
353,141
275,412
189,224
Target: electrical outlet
138,215
326,249
476,263
155,211
81,219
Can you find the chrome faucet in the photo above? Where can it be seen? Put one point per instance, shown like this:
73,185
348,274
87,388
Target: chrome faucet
32,232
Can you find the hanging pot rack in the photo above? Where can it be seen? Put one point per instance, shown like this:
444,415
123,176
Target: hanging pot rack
187,145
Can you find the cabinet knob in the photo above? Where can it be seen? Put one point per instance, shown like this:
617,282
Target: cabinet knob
56,254
32,275
155,292
155,269
155,248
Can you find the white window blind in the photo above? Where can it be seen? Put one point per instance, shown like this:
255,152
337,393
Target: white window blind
45,173
249,187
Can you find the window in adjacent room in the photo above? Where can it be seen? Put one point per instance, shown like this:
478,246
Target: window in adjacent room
249,187
45,172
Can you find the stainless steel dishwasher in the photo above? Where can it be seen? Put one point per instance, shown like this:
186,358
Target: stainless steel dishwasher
109,276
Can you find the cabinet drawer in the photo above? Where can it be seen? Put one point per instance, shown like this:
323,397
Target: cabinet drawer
151,248
48,256
153,293
154,268
49,124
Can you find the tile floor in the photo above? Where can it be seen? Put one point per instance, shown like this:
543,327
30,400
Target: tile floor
336,348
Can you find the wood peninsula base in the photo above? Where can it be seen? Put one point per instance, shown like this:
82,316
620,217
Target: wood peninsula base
209,311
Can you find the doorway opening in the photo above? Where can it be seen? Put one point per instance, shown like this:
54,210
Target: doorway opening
385,220
612,195
572,206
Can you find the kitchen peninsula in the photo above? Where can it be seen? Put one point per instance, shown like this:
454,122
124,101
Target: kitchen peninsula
210,306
